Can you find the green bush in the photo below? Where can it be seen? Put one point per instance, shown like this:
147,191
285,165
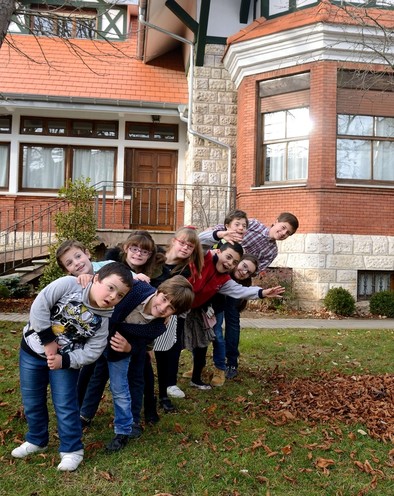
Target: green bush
340,301
79,222
382,303
11,288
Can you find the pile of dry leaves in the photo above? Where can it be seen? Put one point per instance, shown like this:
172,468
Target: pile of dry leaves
363,399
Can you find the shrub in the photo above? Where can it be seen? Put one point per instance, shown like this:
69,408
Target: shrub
79,222
382,303
11,288
340,301
269,279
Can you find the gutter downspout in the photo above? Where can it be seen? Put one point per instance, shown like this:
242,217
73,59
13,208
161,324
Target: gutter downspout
181,108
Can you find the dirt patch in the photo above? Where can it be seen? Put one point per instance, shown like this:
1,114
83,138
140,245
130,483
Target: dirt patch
15,305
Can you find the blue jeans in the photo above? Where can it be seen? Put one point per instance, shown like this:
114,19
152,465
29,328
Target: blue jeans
219,345
233,330
119,386
95,387
34,379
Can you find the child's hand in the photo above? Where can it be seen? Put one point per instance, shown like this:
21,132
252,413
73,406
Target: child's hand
230,236
120,344
51,348
275,292
142,277
54,362
84,279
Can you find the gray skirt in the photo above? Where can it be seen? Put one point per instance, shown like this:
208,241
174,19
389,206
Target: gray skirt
198,334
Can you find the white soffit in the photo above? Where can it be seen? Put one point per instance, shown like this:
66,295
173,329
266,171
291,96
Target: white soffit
308,44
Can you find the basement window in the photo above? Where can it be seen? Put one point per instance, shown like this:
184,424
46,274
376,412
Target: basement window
370,282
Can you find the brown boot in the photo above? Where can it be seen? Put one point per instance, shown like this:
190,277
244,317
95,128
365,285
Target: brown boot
218,378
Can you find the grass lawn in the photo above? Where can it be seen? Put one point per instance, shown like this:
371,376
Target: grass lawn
310,414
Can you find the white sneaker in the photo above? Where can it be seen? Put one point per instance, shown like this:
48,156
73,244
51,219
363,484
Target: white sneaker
26,449
175,392
70,461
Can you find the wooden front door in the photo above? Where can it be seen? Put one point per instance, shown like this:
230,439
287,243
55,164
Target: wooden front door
150,180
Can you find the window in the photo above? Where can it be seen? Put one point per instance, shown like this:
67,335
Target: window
63,22
286,145
69,127
5,124
151,131
46,167
370,282
365,147
4,164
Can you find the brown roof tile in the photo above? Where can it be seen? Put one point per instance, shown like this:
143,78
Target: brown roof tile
325,12
45,66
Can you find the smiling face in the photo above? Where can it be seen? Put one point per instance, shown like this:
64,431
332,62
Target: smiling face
280,231
160,306
244,269
77,262
108,292
239,225
227,260
181,249
136,256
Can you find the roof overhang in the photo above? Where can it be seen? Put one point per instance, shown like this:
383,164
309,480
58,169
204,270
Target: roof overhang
307,44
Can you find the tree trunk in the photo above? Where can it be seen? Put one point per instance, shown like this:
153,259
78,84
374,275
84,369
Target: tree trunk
7,8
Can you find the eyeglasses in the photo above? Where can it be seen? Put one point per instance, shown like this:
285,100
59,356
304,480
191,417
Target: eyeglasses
136,249
244,268
184,243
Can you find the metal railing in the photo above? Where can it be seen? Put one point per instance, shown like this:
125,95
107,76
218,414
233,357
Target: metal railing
28,229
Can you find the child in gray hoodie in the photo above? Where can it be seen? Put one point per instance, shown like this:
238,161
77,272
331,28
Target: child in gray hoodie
67,328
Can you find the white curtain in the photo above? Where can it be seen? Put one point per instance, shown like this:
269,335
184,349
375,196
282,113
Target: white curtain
43,167
4,159
98,165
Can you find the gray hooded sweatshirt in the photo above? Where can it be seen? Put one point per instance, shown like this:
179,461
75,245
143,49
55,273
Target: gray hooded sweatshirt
62,313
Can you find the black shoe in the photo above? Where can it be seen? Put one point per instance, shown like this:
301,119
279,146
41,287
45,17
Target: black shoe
85,422
166,405
117,443
136,432
152,417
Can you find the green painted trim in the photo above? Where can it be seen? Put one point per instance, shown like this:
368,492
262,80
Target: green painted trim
201,38
215,40
182,15
244,11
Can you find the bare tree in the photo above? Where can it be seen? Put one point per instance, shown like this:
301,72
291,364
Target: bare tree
7,9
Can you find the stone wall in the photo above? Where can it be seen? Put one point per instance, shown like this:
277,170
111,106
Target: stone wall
324,261
214,114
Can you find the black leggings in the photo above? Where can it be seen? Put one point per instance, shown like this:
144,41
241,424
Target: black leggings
199,362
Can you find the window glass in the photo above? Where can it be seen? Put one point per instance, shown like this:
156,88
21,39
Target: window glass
4,161
106,130
370,282
298,152
274,126
297,122
383,169
43,167
82,128
275,162
353,159
5,123
32,126
286,157
355,125
97,164
385,127
58,127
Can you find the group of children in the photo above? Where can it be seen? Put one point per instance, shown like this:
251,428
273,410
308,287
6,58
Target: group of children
107,319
